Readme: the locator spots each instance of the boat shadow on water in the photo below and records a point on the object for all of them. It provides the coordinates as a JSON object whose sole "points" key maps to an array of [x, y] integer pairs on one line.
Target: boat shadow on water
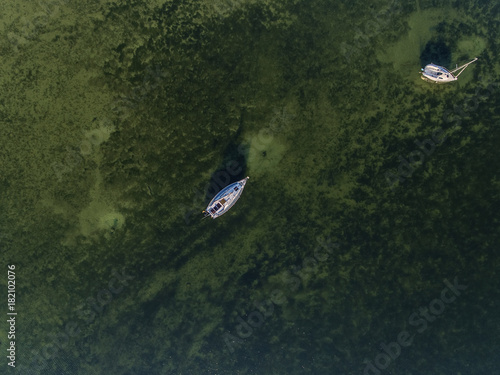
{"points": [[436, 52]]}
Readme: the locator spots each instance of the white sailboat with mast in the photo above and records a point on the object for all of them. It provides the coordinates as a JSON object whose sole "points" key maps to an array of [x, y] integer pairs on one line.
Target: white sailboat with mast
{"points": [[225, 199], [438, 74]]}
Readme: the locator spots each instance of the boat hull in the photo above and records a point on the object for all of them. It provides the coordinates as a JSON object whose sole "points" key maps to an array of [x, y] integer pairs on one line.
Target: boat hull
{"points": [[225, 199]]}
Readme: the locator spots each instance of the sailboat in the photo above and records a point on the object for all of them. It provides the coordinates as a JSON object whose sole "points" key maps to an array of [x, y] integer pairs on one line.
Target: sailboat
{"points": [[225, 199], [438, 74]]}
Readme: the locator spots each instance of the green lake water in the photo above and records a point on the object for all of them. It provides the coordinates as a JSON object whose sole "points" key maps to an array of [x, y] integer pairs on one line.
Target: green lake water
{"points": [[366, 240]]}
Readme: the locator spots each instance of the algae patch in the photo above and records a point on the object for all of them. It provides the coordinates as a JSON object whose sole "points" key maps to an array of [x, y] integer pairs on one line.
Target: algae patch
{"points": [[95, 137], [472, 46], [100, 216], [111, 221], [265, 152]]}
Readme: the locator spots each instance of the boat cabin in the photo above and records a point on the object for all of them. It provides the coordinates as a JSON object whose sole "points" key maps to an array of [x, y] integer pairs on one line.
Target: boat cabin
{"points": [[218, 206], [215, 208]]}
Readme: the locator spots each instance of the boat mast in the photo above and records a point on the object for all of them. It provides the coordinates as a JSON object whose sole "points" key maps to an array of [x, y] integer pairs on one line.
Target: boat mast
{"points": [[462, 68]]}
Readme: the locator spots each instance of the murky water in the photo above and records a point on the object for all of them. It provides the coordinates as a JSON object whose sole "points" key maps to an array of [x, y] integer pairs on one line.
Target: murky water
{"points": [[365, 240]]}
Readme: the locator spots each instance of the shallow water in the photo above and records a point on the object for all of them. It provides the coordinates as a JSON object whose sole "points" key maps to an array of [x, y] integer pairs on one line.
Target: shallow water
{"points": [[373, 195]]}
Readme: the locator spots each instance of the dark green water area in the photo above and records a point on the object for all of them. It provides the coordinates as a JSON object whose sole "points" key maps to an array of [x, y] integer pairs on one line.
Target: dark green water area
{"points": [[366, 240]]}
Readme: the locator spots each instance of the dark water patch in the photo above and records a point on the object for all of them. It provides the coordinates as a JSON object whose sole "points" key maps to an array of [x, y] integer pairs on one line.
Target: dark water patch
{"points": [[436, 52]]}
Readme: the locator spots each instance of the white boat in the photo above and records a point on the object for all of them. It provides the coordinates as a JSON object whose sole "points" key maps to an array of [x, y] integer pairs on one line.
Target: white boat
{"points": [[438, 74], [225, 199]]}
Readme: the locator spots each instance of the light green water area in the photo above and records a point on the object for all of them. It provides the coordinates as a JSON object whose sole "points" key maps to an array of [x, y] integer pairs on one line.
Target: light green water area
{"points": [[366, 239]]}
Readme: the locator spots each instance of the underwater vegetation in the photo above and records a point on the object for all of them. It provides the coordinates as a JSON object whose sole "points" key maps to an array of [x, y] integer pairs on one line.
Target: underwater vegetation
{"points": [[119, 120]]}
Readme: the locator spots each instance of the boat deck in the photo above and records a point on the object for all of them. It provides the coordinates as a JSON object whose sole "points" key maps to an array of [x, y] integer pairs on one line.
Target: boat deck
{"points": [[225, 199]]}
